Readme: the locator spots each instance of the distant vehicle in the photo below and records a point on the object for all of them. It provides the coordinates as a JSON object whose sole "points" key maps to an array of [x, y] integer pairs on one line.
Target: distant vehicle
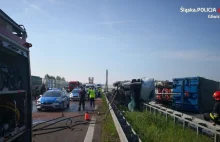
{"points": [[84, 85], [98, 86], [53, 99], [55, 89], [73, 84], [74, 95], [66, 88]]}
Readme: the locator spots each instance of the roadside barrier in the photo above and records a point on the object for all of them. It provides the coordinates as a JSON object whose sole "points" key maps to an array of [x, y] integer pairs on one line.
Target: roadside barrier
{"points": [[124, 129], [201, 126]]}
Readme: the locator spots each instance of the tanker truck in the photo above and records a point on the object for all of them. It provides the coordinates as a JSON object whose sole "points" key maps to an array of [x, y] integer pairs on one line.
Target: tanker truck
{"points": [[133, 93]]}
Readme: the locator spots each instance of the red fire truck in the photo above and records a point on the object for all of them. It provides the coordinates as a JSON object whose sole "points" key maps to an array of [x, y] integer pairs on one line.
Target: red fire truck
{"points": [[15, 82], [73, 84]]}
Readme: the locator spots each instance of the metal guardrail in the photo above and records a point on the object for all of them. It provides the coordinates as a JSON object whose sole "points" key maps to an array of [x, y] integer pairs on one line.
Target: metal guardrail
{"points": [[187, 120], [122, 125], [121, 133], [128, 124]]}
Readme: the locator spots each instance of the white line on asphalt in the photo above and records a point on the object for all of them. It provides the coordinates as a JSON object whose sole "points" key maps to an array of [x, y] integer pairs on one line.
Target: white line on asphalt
{"points": [[90, 131]]}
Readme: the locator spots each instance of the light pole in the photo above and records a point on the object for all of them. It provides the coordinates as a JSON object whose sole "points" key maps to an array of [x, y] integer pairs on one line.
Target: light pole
{"points": [[106, 84]]}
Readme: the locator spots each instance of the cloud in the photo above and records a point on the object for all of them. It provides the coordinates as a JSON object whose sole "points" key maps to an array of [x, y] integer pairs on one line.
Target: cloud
{"points": [[37, 8], [30, 6], [111, 22], [190, 55]]}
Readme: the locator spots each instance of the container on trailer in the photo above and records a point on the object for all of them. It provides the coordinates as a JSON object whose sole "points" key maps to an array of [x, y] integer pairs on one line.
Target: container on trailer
{"points": [[194, 94]]}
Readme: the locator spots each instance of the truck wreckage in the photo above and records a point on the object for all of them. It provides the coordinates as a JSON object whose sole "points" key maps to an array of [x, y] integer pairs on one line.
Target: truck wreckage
{"points": [[133, 93]]}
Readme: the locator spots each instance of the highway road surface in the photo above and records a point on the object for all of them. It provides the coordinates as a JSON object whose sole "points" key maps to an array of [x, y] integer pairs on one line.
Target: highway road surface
{"points": [[78, 134]]}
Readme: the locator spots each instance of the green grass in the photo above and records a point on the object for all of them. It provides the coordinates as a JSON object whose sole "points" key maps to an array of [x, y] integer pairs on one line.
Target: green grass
{"points": [[154, 128], [109, 132]]}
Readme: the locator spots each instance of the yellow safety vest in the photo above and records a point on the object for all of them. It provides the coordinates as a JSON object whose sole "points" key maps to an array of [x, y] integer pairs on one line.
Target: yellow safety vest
{"points": [[100, 90], [92, 94]]}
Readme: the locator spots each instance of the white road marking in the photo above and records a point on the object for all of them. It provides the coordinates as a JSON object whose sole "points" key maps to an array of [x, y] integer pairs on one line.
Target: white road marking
{"points": [[90, 131], [36, 122]]}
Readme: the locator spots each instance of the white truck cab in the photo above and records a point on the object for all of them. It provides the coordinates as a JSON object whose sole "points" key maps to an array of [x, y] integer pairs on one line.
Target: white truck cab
{"points": [[88, 86]]}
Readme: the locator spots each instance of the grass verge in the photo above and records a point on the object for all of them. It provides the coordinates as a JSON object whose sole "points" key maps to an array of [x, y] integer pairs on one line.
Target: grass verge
{"points": [[154, 128], [109, 132]]}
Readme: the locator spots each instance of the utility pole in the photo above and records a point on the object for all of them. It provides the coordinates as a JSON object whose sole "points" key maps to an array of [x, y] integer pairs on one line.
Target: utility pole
{"points": [[106, 84]]}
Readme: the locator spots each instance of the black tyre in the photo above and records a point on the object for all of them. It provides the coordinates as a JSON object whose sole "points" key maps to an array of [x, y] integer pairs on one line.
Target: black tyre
{"points": [[68, 105], [39, 109]]}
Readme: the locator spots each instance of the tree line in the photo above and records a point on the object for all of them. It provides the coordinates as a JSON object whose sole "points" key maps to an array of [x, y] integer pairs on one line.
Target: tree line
{"points": [[47, 76]]}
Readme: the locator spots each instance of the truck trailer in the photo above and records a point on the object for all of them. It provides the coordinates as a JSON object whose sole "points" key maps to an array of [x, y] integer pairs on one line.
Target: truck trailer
{"points": [[15, 82], [194, 94]]}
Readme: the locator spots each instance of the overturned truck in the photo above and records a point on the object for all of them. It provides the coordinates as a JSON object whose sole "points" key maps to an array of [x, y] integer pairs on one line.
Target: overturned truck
{"points": [[133, 93]]}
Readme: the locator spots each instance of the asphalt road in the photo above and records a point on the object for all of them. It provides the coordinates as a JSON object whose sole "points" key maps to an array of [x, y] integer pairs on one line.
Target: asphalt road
{"points": [[77, 134]]}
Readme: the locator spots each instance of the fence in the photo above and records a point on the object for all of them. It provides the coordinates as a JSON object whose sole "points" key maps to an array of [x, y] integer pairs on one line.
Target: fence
{"points": [[187, 121]]}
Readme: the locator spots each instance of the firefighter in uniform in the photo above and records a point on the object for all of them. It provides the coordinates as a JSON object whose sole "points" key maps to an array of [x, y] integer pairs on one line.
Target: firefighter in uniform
{"points": [[92, 97], [215, 114]]}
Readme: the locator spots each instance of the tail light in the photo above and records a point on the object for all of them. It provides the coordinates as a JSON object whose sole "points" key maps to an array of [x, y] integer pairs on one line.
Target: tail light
{"points": [[187, 94]]}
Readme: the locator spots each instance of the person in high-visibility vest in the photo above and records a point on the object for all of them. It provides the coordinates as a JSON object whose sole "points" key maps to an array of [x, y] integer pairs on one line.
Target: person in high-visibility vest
{"points": [[215, 114], [99, 92], [88, 92], [92, 97]]}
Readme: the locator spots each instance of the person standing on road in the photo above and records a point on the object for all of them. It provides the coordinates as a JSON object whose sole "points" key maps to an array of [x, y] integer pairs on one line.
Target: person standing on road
{"points": [[99, 92], [92, 97], [37, 92], [89, 93], [42, 89], [82, 95]]}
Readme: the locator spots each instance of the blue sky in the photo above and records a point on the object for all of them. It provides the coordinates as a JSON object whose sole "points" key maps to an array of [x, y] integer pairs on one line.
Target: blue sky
{"points": [[142, 38]]}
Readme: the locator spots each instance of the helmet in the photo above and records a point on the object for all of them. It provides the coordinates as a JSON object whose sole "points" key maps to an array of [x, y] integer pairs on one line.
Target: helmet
{"points": [[216, 95]]}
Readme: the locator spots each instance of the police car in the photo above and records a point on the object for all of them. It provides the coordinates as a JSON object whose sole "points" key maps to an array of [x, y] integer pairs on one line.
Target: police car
{"points": [[53, 99]]}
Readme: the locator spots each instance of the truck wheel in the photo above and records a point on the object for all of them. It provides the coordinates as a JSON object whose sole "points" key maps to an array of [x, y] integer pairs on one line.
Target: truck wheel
{"points": [[39, 109], [68, 105]]}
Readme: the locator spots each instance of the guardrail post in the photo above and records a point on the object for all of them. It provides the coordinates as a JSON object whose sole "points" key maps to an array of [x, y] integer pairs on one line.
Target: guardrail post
{"points": [[197, 130], [215, 138], [174, 119], [166, 116], [183, 124]]}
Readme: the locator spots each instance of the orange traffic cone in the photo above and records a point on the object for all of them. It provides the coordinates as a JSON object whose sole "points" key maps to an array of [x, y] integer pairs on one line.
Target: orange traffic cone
{"points": [[87, 118]]}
